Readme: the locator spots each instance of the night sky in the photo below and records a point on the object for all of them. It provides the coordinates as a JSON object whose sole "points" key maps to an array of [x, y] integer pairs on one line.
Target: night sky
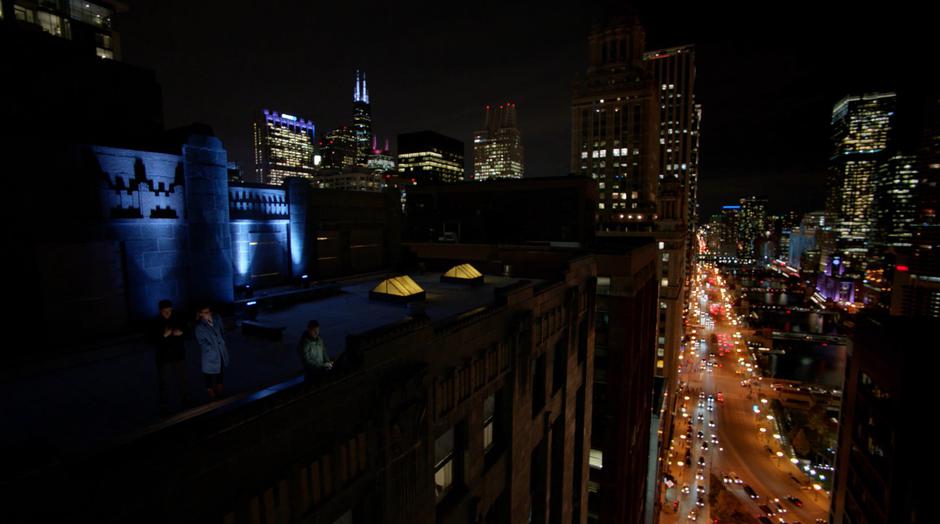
{"points": [[767, 75]]}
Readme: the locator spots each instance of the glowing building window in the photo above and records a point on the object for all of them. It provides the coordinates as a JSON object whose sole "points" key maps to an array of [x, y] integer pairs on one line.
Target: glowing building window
{"points": [[489, 416], [444, 463]]}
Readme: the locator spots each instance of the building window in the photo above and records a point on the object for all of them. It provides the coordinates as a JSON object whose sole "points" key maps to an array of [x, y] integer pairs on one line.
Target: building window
{"points": [[489, 420], [444, 463], [52, 24], [665, 282], [596, 459]]}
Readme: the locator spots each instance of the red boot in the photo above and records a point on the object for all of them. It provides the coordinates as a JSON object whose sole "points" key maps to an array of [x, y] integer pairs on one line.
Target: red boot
{"points": [[211, 393], [219, 390]]}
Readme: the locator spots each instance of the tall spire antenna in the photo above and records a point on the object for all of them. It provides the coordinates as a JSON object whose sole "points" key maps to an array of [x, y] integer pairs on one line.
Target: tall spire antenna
{"points": [[356, 95], [365, 90]]}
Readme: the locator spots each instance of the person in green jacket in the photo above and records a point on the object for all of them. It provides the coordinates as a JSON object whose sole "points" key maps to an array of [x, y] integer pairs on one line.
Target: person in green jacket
{"points": [[312, 351]]}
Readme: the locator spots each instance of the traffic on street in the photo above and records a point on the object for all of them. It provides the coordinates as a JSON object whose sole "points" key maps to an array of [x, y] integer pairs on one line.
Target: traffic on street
{"points": [[727, 457]]}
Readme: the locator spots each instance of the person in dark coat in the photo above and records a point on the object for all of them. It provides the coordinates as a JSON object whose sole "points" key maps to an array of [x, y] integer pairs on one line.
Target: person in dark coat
{"points": [[211, 338], [313, 355], [170, 355]]}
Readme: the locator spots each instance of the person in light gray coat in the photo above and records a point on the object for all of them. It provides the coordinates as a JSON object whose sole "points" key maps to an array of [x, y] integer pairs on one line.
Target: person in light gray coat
{"points": [[211, 338]]}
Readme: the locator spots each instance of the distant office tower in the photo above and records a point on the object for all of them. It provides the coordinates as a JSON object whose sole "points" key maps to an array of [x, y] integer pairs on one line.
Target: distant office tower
{"points": [[880, 466], [696, 132], [284, 147], [893, 206], [803, 238], [752, 227], [362, 120], [429, 157], [928, 186], [497, 149], [915, 279], [338, 150], [915, 289], [614, 127], [380, 160], [862, 128], [350, 180], [728, 232], [679, 115], [86, 23]]}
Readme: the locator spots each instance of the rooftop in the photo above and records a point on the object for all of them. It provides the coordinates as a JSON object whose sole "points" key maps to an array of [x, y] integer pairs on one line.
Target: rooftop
{"points": [[110, 398], [353, 312]]}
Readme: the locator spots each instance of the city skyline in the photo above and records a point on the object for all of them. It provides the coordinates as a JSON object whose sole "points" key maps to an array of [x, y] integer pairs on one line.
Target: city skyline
{"points": [[796, 79], [542, 319]]}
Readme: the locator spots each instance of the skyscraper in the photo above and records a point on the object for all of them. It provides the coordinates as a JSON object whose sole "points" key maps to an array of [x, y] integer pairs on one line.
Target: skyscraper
{"points": [[862, 128], [614, 126], [86, 23], [283, 147], [362, 120], [752, 226], [429, 157], [893, 205], [880, 464], [381, 160], [728, 231], [338, 149], [497, 149], [674, 73]]}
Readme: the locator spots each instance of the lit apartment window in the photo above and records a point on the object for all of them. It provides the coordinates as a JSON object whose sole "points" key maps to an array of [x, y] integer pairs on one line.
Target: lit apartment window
{"points": [[489, 417], [596, 459], [444, 463], [665, 282]]}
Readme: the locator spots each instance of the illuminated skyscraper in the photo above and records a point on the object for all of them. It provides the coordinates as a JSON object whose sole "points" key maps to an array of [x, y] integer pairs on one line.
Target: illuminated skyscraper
{"points": [[862, 127], [497, 149], [751, 227], [283, 147], [338, 150], [87, 23], [893, 207], [362, 120], [429, 157], [615, 127], [674, 72], [380, 160]]}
